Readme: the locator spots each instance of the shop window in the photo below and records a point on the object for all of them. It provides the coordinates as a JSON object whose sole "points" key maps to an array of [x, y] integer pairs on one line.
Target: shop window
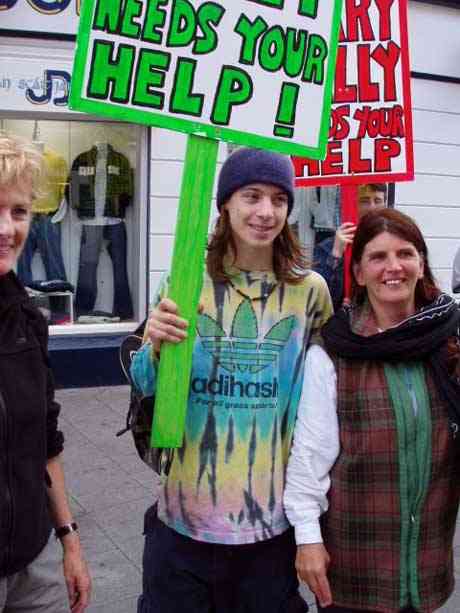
{"points": [[81, 258]]}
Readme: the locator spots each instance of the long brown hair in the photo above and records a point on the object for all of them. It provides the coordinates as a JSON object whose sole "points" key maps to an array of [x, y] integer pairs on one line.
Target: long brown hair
{"points": [[289, 261], [390, 220]]}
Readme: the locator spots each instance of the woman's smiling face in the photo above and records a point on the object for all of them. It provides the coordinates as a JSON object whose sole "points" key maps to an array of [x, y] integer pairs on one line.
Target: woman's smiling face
{"points": [[15, 217], [389, 269]]}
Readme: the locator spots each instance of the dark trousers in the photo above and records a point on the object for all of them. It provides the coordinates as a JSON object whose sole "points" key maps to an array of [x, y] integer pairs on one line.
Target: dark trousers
{"points": [[44, 237], [181, 575], [90, 250]]}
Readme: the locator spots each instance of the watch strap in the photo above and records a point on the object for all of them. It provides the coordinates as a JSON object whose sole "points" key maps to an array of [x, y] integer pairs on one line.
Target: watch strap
{"points": [[66, 529]]}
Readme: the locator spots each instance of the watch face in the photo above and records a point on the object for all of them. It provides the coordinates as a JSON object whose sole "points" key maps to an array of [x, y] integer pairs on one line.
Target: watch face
{"points": [[49, 7]]}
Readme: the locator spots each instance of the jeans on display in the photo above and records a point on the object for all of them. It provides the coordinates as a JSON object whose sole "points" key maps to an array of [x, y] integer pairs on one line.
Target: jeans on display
{"points": [[90, 249], [45, 237]]}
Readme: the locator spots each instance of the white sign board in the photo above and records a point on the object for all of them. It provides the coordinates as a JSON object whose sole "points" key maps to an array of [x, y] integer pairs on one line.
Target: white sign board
{"points": [[253, 72]]}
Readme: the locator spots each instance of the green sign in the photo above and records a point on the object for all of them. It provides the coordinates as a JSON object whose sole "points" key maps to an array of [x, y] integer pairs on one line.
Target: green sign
{"points": [[251, 72]]}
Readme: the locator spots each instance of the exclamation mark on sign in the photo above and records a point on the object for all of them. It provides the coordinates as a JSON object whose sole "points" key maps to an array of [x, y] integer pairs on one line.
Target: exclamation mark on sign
{"points": [[285, 115]]}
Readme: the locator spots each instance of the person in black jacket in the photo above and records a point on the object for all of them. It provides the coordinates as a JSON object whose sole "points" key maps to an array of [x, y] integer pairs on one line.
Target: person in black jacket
{"points": [[32, 491]]}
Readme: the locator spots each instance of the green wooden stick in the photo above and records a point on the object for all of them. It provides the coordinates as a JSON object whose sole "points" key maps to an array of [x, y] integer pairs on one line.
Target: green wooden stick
{"points": [[185, 288]]}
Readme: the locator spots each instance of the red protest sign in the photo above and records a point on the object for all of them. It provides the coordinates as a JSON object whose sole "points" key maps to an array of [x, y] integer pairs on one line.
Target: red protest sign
{"points": [[370, 135]]}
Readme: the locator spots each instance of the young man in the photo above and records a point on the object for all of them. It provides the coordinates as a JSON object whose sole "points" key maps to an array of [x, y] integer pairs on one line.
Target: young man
{"points": [[34, 570], [328, 254], [221, 542]]}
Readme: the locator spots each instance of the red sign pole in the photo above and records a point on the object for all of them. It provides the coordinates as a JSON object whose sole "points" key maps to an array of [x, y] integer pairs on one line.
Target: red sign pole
{"points": [[349, 200]]}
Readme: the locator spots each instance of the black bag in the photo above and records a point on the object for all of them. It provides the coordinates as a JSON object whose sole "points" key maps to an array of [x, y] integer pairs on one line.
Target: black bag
{"points": [[140, 412]]}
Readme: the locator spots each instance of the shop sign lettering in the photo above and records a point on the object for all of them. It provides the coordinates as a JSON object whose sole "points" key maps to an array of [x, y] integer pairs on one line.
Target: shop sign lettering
{"points": [[370, 134], [255, 72], [53, 82], [55, 17], [7, 4], [45, 7], [50, 88]]}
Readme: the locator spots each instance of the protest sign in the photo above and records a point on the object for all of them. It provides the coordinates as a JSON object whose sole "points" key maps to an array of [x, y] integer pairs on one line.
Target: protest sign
{"points": [[251, 72], [370, 135]]}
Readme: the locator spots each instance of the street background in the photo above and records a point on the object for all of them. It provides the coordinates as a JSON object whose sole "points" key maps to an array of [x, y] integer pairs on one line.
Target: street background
{"points": [[110, 488]]}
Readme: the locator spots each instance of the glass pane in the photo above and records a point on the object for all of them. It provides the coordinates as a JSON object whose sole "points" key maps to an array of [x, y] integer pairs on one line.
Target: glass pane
{"points": [[80, 256]]}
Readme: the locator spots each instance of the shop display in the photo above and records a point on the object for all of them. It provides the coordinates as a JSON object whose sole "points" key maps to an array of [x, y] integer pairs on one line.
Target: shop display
{"points": [[100, 189], [80, 262], [45, 231]]}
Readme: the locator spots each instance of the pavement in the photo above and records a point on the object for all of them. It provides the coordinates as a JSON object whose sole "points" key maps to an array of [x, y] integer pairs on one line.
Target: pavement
{"points": [[110, 488]]}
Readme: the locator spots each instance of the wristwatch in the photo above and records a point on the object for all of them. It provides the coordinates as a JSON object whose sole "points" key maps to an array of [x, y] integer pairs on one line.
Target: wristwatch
{"points": [[66, 529]]}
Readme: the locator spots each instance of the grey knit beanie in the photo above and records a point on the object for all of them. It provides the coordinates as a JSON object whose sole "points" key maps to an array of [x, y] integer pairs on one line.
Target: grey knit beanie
{"points": [[245, 166]]}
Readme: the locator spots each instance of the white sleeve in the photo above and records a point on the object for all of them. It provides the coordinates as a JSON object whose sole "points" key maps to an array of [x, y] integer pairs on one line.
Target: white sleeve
{"points": [[315, 448]]}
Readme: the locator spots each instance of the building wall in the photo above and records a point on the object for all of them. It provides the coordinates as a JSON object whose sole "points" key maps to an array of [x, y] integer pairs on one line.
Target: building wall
{"points": [[167, 157]]}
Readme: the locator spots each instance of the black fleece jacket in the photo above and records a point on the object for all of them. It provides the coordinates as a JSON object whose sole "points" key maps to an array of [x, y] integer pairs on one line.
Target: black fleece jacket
{"points": [[28, 428]]}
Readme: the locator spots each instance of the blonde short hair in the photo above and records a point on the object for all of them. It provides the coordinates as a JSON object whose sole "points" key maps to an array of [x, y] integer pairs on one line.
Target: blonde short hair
{"points": [[19, 161]]}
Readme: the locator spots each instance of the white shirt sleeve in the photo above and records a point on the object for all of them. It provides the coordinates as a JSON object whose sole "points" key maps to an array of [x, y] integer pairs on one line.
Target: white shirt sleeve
{"points": [[315, 448]]}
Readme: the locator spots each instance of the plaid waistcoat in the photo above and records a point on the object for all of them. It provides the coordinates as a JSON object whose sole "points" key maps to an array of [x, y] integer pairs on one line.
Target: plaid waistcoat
{"points": [[364, 525]]}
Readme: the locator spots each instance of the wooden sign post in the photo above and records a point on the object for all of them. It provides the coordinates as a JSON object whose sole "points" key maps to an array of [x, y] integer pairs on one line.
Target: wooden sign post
{"points": [[250, 72], [185, 288]]}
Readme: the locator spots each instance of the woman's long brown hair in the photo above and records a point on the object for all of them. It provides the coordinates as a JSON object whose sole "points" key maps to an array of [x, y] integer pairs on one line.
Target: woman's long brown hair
{"points": [[290, 264]]}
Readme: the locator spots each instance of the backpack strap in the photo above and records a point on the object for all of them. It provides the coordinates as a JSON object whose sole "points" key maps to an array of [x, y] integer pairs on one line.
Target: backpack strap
{"points": [[140, 412]]}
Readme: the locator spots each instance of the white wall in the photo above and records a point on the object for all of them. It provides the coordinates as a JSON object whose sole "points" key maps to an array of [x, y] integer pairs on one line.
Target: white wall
{"points": [[434, 39], [167, 157]]}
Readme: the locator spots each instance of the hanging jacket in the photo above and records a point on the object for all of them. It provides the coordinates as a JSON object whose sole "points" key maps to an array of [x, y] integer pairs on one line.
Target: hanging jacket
{"points": [[82, 180], [28, 428]]}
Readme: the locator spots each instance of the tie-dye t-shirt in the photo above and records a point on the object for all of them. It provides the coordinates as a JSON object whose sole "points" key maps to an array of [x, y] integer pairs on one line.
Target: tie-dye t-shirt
{"points": [[226, 482]]}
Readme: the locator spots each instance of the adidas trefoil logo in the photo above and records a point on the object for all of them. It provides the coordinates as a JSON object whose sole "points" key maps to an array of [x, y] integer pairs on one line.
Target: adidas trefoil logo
{"points": [[242, 350]]}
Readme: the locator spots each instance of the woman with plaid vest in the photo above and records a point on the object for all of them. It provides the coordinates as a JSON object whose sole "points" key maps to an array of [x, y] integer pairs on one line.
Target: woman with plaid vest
{"points": [[373, 483]]}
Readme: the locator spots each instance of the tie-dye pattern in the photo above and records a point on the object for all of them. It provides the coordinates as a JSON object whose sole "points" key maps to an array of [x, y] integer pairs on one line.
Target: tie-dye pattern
{"points": [[226, 483]]}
